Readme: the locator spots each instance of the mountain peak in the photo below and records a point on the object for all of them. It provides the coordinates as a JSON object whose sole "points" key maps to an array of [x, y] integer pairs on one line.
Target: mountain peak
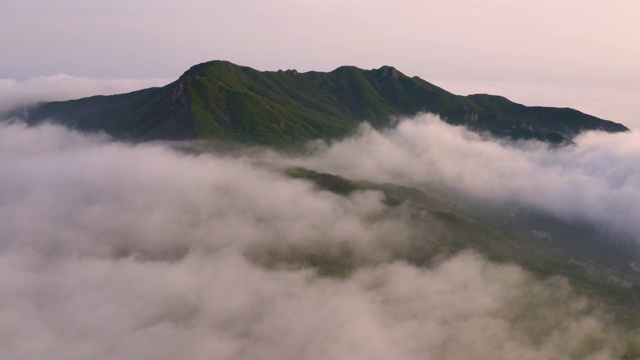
{"points": [[388, 71], [288, 72], [219, 99], [199, 69]]}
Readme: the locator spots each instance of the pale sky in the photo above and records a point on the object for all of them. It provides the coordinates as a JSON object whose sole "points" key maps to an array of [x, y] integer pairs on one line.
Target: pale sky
{"points": [[538, 52]]}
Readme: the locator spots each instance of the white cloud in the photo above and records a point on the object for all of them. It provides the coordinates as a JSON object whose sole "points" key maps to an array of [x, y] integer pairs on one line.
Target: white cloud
{"points": [[139, 252], [597, 180]]}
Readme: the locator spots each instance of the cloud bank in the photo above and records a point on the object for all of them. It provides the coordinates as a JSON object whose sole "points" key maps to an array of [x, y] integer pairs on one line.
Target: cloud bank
{"points": [[597, 180], [140, 252]]}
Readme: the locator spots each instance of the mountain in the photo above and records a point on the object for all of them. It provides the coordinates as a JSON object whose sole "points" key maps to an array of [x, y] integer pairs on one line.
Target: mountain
{"points": [[283, 109]]}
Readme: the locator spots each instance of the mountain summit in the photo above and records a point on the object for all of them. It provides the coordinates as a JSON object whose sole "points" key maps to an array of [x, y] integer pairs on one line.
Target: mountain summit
{"points": [[222, 100]]}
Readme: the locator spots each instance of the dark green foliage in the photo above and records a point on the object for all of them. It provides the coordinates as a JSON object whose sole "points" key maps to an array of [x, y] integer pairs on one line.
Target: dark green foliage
{"points": [[333, 183], [155, 113], [568, 122], [284, 109]]}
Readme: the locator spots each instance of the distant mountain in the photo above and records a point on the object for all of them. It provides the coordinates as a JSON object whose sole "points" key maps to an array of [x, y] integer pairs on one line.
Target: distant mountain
{"points": [[283, 109]]}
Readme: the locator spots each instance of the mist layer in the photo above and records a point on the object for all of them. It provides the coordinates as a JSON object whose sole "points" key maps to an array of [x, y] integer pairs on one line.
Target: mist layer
{"points": [[142, 252]]}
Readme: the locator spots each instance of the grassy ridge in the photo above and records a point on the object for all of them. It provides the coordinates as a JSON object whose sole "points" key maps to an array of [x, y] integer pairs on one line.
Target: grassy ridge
{"points": [[546, 119], [284, 109]]}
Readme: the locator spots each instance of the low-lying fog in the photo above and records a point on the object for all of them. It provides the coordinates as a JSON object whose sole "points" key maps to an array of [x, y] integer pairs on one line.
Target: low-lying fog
{"points": [[597, 180], [116, 251]]}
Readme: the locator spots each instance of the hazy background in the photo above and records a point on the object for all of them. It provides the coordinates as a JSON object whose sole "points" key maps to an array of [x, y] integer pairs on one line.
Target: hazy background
{"points": [[582, 54]]}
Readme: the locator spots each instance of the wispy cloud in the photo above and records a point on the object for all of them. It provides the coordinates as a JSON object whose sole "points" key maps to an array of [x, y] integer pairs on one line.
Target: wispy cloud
{"points": [[597, 180]]}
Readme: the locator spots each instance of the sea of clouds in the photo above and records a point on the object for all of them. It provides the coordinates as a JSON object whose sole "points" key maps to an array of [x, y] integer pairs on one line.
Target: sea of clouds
{"points": [[120, 251], [597, 180]]}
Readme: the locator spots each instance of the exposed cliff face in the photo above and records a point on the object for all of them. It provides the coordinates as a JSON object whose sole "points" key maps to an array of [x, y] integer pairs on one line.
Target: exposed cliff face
{"points": [[389, 71], [178, 95], [285, 108]]}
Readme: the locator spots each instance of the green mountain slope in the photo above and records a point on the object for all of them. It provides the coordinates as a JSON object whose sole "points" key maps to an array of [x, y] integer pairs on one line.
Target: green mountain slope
{"points": [[566, 121], [155, 113], [285, 108]]}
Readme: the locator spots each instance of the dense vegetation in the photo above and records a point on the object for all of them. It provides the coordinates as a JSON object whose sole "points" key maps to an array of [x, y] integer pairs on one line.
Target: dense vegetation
{"points": [[285, 108]]}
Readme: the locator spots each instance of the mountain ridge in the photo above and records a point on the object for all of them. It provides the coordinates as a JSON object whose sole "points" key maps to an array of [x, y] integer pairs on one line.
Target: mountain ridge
{"points": [[285, 108]]}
